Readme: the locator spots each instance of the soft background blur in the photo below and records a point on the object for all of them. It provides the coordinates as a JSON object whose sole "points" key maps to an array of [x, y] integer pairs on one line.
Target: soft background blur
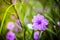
{"points": [[25, 10]]}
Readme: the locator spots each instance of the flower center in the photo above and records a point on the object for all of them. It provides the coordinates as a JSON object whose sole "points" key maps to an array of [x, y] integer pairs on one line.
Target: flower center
{"points": [[39, 22], [10, 36]]}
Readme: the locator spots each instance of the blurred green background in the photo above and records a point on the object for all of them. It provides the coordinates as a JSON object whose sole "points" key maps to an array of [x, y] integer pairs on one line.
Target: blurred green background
{"points": [[24, 10]]}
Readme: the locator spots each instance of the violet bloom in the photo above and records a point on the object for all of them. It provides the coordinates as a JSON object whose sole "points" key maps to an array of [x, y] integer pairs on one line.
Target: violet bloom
{"points": [[14, 1], [58, 23], [39, 22], [16, 30], [39, 9], [10, 26], [12, 17], [17, 22], [10, 36], [36, 35]]}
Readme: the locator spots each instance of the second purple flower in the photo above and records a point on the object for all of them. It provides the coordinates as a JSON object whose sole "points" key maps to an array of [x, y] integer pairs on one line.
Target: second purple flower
{"points": [[39, 22]]}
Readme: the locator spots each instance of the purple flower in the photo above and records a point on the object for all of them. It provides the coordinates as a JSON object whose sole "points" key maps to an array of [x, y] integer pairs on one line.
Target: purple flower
{"points": [[36, 35], [16, 30], [10, 26], [10, 36], [39, 9], [14, 1], [17, 22], [39, 22], [12, 17], [58, 23], [26, 20]]}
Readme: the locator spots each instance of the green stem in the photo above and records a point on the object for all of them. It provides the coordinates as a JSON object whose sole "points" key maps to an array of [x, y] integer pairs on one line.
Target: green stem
{"points": [[7, 2], [17, 15], [5, 14], [50, 31], [40, 34]]}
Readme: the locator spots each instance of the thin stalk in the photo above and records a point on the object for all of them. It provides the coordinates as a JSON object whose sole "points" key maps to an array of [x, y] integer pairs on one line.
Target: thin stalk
{"points": [[17, 16], [51, 31], [40, 34], [5, 14]]}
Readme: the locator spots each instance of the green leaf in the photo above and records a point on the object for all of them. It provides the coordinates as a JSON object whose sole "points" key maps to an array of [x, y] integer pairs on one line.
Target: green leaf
{"points": [[47, 16], [5, 14], [50, 31]]}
